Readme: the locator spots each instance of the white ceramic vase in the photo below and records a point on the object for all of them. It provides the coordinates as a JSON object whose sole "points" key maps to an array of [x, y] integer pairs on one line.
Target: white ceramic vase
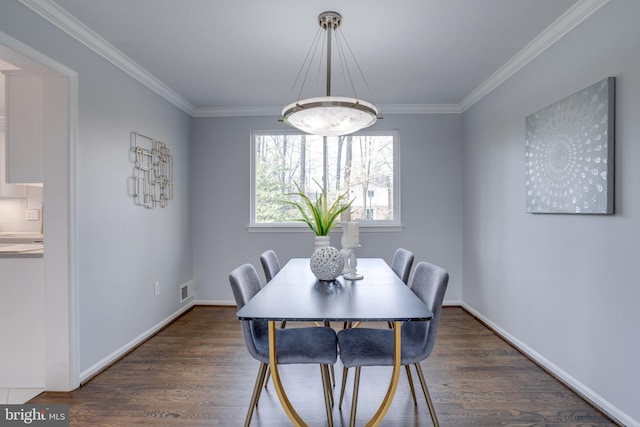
{"points": [[321, 242]]}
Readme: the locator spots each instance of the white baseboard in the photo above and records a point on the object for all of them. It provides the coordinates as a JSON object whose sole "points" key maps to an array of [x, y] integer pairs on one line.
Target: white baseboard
{"points": [[214, 302], [581, 389], [452, 303], [570, 381], [107, 361]]}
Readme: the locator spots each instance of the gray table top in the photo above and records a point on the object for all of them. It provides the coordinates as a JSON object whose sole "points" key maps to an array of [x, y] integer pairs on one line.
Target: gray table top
{"points": [[295, 294]]}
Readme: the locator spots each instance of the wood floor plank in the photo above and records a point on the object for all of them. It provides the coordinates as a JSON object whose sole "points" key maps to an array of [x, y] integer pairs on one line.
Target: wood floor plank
{"points": [[197, 372]]}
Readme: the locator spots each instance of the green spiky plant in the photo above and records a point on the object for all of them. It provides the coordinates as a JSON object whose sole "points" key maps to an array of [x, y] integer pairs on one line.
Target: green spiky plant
{"points": [[320, 216]]}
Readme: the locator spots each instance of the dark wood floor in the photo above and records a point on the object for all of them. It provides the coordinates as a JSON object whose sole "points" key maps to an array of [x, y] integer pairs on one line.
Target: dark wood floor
{"points": [[197, 372]]}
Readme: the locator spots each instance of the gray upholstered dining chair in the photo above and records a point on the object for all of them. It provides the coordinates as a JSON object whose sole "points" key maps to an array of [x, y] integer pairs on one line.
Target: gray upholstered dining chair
{"points": [[401, 263], [309, 345], [374, 347], [271, 267], [270, 264]]}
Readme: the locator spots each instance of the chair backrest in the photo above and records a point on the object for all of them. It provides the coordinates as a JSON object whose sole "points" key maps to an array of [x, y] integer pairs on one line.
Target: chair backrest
{"points": [[245, 284], [429, 282], [270, 264], [401, 264]]}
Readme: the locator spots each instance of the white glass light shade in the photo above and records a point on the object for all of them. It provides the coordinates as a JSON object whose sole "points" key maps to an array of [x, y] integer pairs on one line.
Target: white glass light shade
{"points": [[330, 115]]}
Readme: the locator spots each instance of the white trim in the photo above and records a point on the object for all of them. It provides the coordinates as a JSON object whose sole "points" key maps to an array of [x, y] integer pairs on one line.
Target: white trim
{"points": [[98, 367], [303, 228], [453, 303], [29, 52], [578, 387], [72, 26], [420, 109], [237, 111], [74, 295], [294, 226], [76, 29], [215, 302], [72, 142], [574, 384], [565, 23], [277, 110]]}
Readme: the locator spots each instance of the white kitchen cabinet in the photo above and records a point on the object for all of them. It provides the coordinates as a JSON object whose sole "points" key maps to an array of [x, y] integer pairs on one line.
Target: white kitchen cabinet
{"points": [[24, 127], [12, 191], [22, 323]]}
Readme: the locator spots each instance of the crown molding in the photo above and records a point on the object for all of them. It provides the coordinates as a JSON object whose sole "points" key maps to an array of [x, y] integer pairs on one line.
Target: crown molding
{"points": [[72, 26], [237, 111], [277, 110], [565, 23], [76, 29], [420, 109]]}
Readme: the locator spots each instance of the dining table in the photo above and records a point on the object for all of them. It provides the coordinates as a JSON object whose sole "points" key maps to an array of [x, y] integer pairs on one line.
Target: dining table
{"points": [[295, 294]]}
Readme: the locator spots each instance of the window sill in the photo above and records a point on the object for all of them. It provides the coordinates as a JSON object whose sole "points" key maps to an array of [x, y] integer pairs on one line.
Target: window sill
{"points": [[302, 228]]}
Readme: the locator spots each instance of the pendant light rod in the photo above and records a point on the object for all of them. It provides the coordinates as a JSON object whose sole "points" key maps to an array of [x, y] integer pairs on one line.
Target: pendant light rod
{"points": [[329, 61], [329, 21]]}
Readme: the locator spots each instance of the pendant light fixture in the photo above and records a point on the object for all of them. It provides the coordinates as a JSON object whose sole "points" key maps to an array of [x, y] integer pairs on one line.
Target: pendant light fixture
{"points": [[330, 115]]}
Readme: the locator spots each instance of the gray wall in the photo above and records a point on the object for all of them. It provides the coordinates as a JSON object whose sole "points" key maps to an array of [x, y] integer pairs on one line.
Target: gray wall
{"points": [[122, 248], [562, 286], [565, 286], [431, 200]]}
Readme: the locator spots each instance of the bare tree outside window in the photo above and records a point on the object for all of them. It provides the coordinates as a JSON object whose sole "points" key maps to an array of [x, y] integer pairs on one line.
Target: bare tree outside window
{"points": [[363, 165]]}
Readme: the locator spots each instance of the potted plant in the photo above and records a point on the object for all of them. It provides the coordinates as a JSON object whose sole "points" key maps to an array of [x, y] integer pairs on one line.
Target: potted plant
{"points": [[320, 215], [326, 262]]}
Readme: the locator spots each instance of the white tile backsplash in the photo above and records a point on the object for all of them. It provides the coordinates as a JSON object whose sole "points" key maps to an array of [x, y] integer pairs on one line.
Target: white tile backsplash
{"points": [[10, 210], [13, 211]]}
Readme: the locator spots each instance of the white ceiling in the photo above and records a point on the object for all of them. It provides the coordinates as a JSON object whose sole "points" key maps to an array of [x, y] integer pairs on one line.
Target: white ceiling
{"points": [[241, 54]]}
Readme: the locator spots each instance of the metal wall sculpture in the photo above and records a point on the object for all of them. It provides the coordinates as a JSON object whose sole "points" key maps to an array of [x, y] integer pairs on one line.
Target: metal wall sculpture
{"points": [[569, 153], [152, 173]]}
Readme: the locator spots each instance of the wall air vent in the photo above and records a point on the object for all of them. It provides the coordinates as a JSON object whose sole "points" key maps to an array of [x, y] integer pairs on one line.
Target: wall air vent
{"points": [[185, 291]]}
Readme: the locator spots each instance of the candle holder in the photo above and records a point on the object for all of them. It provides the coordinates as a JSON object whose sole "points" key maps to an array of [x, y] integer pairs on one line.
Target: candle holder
{"points": [[349, 241], [344, 251], [350, 271]]}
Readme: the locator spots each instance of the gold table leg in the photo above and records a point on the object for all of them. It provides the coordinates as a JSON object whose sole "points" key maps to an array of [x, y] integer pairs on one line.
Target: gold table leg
{"points": [[395, 376], [277, 383], [288, 407]]}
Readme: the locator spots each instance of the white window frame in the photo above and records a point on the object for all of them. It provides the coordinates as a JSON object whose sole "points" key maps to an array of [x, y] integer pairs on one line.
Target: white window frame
{"points": [[365, 225]]}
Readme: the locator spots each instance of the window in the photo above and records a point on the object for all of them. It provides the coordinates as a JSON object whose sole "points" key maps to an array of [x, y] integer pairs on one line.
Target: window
{"points": [[364, 165]]}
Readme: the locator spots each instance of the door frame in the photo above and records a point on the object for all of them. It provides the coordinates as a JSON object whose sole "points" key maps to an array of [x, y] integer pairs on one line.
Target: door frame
{"points": [[62, 371]]}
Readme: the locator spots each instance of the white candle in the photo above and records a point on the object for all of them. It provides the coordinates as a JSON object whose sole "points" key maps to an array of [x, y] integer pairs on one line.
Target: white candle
{"points": [[345, 216], [353, 235]]}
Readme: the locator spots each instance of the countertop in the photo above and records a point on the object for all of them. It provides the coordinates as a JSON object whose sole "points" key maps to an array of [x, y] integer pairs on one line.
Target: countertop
{"points": [[21, 245], [20, 237]]}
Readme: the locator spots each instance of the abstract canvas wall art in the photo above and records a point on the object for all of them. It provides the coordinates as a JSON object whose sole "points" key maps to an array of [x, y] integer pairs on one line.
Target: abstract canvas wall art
{"points": [[569, 153]]}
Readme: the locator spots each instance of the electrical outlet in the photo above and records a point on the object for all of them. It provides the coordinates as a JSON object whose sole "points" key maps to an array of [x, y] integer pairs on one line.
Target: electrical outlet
{"points": [[32, 214], [156, 288]]}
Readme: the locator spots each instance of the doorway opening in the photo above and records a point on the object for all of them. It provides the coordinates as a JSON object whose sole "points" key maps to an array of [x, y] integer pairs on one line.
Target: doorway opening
{"points": [[59, 291]]}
